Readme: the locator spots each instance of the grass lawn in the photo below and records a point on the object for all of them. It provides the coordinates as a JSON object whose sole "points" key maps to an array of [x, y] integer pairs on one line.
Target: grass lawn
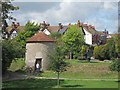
{"points": [[49, 83], [85, 70], [77, 70]]}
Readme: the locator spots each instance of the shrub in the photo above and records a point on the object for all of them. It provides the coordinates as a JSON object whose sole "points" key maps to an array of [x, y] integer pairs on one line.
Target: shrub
{"points": [[115, 66]]}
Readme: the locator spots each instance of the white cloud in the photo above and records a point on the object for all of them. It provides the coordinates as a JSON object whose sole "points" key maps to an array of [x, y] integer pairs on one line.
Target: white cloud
{"points": [[70, 12]]}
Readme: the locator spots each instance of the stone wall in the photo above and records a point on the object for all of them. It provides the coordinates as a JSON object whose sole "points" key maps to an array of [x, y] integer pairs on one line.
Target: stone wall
{"points": [[38, 50]]}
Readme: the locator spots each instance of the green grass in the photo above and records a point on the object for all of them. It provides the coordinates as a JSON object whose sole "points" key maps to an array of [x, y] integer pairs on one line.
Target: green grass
{"points": [[17, 64], [49, 83], [77, 70], [84, 70]]}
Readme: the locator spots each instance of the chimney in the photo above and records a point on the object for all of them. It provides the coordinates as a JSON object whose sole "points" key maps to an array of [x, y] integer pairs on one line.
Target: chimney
{"points": [[43, 24], [60, 26], [107, 32], [18, 24], [89, 26], [78, 24], [85, 24], [13, 25], [93, 27], [69, 24], [105, 29]]}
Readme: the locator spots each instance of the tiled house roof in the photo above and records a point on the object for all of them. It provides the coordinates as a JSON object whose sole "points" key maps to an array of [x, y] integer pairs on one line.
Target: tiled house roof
{"points": [[53, 28], [18, 29], [39, 37]]}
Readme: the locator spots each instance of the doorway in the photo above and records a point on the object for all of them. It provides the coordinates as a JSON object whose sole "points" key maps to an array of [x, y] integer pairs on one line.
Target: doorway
{"points": [[39, 61]]}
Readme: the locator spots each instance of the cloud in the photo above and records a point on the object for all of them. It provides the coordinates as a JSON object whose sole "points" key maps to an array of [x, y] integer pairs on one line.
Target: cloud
{"points": [[99, 14]]}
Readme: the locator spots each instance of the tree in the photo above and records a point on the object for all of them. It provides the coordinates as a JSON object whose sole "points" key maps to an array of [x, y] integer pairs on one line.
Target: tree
{"points": [[111, 48], [29, 30], [7, 9], [57, 62], [73, 40], [101, 52], [115, 66], [83, 51], [117, 44], [55, 35], [10, 51]]}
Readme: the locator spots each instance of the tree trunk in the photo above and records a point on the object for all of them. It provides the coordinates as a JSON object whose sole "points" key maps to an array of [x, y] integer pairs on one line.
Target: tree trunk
{"points": [[58, 80]]}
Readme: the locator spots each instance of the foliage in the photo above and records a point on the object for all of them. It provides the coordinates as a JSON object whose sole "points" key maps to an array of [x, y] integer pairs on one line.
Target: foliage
{"points": [[55, 35], [115, 66], [73, 40], [7, 9], [10, 51], [84, 51], [17, 64], [57, 62], [117, 44], [101, 52], [29, 30], [111, 48]]}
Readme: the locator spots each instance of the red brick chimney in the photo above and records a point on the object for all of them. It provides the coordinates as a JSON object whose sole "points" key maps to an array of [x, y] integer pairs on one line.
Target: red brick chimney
{"points": [[107, 32], [85, 24], [78, 24], [43, 24], [69, 24], [93, 27], [18, 24], [105, 29], [60, 26], [13, 25], [89, 26]]}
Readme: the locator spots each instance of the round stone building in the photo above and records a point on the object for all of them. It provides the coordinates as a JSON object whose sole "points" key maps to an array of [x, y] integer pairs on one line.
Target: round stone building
{"points": [[37, 49]]}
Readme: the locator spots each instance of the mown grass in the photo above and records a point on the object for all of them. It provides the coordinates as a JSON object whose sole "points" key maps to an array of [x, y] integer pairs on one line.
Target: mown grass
{"points": [[85, 70], [17, 64], [77, 70], [49, 83]]}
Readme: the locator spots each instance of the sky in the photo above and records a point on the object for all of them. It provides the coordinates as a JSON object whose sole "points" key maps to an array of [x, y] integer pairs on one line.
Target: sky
{"points": [[99, 14]]}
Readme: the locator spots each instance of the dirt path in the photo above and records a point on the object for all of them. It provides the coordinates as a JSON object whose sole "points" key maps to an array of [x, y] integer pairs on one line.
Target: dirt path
{"points": [[18, 76]]}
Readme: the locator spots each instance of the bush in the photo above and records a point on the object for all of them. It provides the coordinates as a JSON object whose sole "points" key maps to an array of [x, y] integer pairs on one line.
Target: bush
{"points": [[115, 66], [101, 52], [10, 51]]}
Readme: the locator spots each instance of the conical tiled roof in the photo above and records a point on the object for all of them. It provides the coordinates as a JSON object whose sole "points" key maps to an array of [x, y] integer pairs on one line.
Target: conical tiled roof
{"points": [[39, 37]]}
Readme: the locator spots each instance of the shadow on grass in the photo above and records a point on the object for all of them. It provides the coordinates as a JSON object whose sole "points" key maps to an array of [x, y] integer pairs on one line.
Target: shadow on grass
{"points": [[72, 86], [31, 83]]}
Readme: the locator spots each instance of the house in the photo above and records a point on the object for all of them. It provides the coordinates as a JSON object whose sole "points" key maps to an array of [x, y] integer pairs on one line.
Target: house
{"points": [[47, 29], [91, 35], [37, 49], [13, 30]]}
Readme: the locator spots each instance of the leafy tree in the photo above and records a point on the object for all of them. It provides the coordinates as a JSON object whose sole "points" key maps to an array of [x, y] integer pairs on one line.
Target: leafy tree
{"points": [[73, 40], [101, 52], [115, 66], [10, 51], [29, 30], [57, 62], [111, 48], [7, 9], [117, 44], [84, 51], [55, 35]]}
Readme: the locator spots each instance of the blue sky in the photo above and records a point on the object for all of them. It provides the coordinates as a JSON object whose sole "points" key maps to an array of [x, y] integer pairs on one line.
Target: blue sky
{"points": [[99, 14]]}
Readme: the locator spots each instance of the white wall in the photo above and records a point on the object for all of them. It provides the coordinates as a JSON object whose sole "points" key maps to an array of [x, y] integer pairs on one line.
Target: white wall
{"points": [[46, 32], [88, 37]]}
